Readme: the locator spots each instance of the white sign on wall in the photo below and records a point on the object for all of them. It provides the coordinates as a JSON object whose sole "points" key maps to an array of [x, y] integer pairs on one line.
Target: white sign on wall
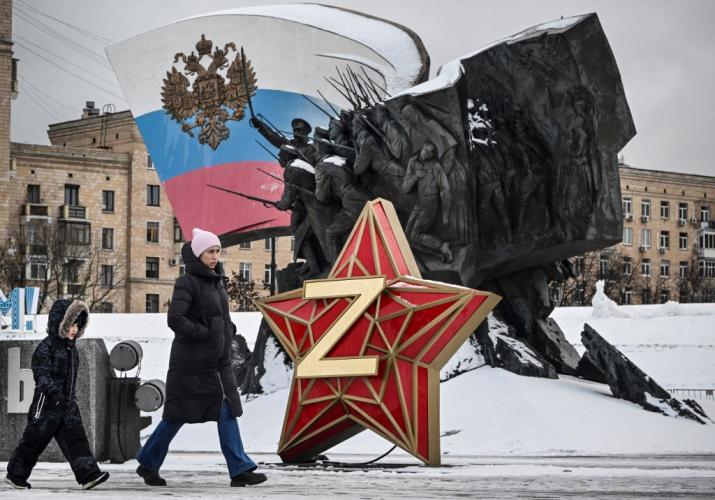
{"points": [[20, 383]]}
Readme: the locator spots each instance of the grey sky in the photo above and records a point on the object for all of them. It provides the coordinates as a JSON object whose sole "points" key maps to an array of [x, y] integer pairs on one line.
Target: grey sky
{"points": [[665, 51]]}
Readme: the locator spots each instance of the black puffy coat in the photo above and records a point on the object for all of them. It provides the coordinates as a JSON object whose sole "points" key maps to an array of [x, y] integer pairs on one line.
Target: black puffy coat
{"points": [[55, 361], [200, 376]]}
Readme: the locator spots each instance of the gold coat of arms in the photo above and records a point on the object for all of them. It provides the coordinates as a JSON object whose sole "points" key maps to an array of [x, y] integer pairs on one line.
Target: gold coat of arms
{"points": [[209, 97]]}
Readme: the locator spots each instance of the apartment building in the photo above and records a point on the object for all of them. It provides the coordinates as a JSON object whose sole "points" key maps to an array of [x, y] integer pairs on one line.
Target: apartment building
{"points": [[98, 188], [668, 247]]}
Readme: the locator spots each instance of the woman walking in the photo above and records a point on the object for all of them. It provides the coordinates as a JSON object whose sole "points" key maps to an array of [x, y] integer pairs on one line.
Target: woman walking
{"points": [[200, 384]]}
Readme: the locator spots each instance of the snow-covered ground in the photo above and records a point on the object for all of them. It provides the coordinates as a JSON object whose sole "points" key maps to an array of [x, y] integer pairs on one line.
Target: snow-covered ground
{"points": [[203, 475], [488, 411]]}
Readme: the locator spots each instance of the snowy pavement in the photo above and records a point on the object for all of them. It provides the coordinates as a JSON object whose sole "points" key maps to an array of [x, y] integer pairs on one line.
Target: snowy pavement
{"points": [[202, 475]]}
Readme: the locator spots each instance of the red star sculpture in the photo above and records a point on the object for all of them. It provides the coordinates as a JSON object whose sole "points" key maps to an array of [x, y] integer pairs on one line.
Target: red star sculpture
{"points": [[368, 343]]}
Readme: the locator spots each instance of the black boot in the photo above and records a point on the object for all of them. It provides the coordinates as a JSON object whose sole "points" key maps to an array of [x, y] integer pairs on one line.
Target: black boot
{"points": [[248, 478], [151, 477], [95, 479], [18, 484]]}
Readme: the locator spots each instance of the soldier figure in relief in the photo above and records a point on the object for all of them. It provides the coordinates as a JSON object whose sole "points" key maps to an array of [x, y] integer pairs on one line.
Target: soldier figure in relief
{"points": [[536, 166], [299, 179], [336, 183], [489, 179], [300, 141], [427, 173], [386, 178]]}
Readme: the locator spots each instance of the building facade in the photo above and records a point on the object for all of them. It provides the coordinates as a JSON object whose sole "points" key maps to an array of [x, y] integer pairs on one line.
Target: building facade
{"points": [[96, 189], [668, 247]]}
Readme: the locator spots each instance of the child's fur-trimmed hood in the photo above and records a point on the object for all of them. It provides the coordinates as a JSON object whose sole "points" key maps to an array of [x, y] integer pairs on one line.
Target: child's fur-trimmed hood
{"points": [[63, 314]]}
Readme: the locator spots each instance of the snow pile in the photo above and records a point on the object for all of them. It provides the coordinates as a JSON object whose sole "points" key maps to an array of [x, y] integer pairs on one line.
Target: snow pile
{"points": [[499, 332], [467, 358], [278, 375], [603, 307], [491, 411]]}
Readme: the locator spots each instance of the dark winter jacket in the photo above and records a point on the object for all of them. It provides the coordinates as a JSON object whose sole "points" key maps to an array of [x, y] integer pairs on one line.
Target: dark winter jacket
{"points": [[200, 377], [55, 361]]}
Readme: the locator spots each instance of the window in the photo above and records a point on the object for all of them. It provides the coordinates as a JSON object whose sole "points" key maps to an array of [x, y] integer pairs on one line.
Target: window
{"points": [[645, 296], [267, 276], [149, 162], [77, 233], [152, 232], [108, 201], [628, 296], [665, 239], [603, 266], [665, 210], [244, 271], [579, 295], [706, 268], [182, 266], [683, 269], [645, 268], [645, 208], [683, 241], [579, 263], [292, 243], [70, 271], [664, 296], [178, 233], [627, 266], [628, 236], [268, 244], [665, 268], [152, 195], [33, 234], [37, 268], [71, 195], [556, 293], [33, 193], [704, 213], [645, 239], [152, 302], [707, 240], [682, 211], [627, 206], [107, 238], [152, 267], [107, 274], [246, 245]]}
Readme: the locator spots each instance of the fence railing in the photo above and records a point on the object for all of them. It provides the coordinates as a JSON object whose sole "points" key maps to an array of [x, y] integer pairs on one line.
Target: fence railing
{"points": [[694, 393]]}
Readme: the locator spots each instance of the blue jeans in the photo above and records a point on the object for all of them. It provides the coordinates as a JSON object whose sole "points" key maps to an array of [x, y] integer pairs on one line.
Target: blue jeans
{"points": [[151, 456]]}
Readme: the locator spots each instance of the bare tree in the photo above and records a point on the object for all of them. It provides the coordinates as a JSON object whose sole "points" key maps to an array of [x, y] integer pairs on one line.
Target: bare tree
{"points": [[242, 293], [61, 266]]}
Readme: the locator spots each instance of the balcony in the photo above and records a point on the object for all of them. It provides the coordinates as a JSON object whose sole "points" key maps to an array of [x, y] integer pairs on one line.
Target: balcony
{"points": [[72, 289], [73, 212], [35, 210], [35, 249], [75, 232]]}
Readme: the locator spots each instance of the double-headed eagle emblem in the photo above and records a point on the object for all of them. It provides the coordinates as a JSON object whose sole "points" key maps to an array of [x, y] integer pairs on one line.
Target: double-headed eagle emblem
{"points": [[211, 99]]}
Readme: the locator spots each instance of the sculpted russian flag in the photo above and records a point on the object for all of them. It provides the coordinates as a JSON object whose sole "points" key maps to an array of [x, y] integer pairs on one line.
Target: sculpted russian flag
{"points": [[291, 49]]}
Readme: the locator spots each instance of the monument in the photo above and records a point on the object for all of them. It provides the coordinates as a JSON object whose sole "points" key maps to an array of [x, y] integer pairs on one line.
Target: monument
{"points": [[499, 169]]}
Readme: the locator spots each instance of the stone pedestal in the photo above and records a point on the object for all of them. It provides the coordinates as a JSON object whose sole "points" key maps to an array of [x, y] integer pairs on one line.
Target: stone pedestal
{"points": [[92, 395]]}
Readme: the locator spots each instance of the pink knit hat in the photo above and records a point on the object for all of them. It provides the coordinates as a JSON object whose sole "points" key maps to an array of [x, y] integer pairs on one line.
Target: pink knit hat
{"points": [[202, 241]]}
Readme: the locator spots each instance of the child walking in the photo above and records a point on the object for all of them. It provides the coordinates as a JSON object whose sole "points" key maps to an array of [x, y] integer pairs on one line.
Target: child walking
{"points": [[54, 411]]}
